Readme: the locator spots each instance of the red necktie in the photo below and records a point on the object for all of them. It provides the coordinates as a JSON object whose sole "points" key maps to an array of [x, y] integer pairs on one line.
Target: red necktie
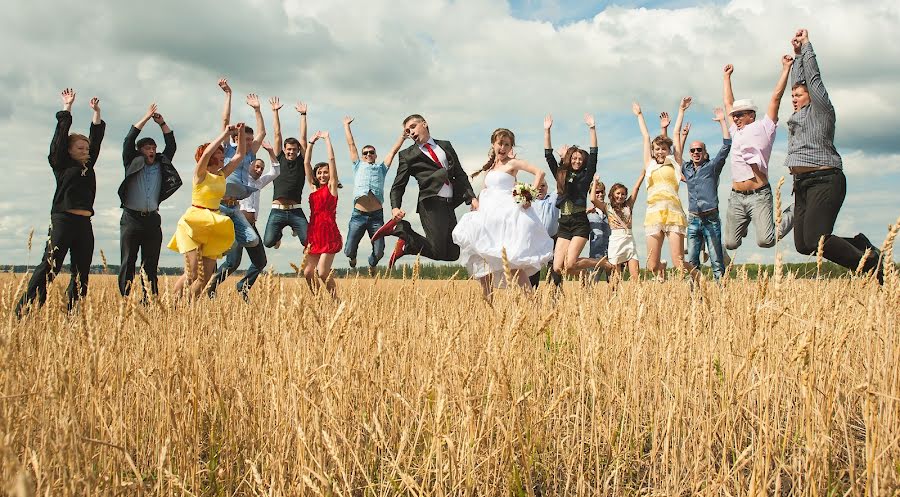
{"points": [[434, 157]]}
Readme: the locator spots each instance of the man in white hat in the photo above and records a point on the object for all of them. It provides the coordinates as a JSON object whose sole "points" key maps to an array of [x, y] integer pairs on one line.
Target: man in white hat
{"points": [[751, 194]]}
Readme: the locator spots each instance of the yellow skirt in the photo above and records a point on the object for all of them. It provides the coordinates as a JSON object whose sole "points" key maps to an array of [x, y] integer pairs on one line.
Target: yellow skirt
{"points": [[211, 232]]}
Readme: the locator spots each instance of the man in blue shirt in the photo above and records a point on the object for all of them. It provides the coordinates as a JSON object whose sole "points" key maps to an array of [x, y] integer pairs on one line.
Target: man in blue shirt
{"points": [[368, 196], [702, 177], [150, 178]]}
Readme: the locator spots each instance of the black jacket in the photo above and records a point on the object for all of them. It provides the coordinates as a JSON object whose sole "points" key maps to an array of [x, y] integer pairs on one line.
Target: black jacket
{"points": [[134, 163], [430, 176]]}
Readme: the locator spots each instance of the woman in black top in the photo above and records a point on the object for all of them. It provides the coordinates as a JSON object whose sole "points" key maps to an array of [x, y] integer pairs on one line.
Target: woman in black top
{"points": [[72, 158], [573, 181]]}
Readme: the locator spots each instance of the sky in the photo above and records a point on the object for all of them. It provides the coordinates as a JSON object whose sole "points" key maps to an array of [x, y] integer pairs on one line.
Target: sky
{"points": [[468, 67]]}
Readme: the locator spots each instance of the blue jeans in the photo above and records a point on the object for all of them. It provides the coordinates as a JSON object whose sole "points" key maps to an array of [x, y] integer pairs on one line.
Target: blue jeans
{"points": [[279, 219], [706, 230], [258, 263], [360, 223], [244, 233]]}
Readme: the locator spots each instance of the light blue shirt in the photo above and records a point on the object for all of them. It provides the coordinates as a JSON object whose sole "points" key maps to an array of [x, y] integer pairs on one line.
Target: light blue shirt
{"points": [[599, 235], [547, 212], [369, 178], [142, 192], [241, 175]]}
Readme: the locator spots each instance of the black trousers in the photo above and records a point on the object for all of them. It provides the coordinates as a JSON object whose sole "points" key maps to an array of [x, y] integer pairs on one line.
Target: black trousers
{"points": [[144, 233], [818, 198], [438, 220], [68, 233]]}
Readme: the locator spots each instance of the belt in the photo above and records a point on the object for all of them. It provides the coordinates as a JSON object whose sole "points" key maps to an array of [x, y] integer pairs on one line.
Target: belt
{"points": [[439, 198], [204, 208], [751, 192], [286, 207], [230, 203], [817, 174], [705, 214], [139, 213]]}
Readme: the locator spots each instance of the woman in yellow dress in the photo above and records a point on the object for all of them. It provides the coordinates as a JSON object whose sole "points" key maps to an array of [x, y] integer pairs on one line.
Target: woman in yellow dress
{"points": [[665, 217], [203, 233]]}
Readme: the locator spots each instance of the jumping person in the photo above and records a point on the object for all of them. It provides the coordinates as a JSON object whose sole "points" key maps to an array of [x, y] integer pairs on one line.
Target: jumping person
{"points": [[203, 233], [622, 249], [443, 186], [149, 179], [368, 196], [751, 146], [819, 182], [323, 238], [72, 158], [287, 189]]}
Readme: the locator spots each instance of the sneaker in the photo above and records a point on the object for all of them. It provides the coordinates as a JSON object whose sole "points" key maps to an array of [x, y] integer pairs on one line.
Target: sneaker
{"points": [[353, 263]]}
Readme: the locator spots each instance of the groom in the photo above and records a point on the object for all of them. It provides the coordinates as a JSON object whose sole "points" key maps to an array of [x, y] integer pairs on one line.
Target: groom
{"points": [[443, 186]]}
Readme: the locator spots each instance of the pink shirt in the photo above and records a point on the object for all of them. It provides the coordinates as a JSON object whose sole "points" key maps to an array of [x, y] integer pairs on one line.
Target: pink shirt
{"points": [[752, 144]]}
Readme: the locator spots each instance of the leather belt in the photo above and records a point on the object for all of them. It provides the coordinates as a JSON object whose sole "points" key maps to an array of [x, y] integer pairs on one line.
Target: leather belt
{"points": [[139, 213], [705, 214], [751, 192], [817, 174]]}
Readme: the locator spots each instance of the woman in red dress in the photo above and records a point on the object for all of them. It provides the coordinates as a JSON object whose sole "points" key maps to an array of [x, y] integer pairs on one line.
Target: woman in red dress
{"points": [[323, 238]]}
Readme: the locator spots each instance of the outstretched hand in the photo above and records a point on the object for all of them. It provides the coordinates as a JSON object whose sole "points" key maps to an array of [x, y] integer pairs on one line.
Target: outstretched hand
{"points": [[151, 110], [802, 36], [636, 108], [729, 69], [686, 102], [158, 118], [686, 129], [348, 120], [664, 120], [300, 107], [68, 96], [267, 146], [95, 104], [253, 101], [562, 151], [223, 84], [548, 121], [276, 104], [589, 120], [718, 114]]}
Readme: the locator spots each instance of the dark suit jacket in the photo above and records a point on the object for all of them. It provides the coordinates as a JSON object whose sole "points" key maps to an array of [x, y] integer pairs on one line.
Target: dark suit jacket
{"points": [[430, 176]]}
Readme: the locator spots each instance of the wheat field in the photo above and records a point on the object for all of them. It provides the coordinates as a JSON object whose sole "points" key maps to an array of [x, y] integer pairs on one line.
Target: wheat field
{"points": [[778, 386]]}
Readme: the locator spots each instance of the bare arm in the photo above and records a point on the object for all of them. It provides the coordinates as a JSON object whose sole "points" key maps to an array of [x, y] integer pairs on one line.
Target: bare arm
{"points": [[239, 154], [683, 136], [200, 168], [253, 101], [332, 165], [275, 102], [95, 108], [679, 145], [307, 161], [302, 109], [226, 111], [394, 149], [636, 189], [728, 93], [636, 109], [600, 204], [592, 129], [786, 62], [664, 122], [351, 144], [521, 165], [168, 136], [548, 123]]}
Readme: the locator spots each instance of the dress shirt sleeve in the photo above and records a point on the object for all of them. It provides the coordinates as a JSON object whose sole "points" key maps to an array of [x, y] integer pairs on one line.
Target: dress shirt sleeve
{"points": [[551, 160], [813, 77], [59, 145], [96, 139], [169, 151], [719, 160], [270, 175]]}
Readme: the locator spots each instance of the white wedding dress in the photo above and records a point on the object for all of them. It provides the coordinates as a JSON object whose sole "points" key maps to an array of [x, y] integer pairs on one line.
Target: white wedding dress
{"points": [[501, 223]]}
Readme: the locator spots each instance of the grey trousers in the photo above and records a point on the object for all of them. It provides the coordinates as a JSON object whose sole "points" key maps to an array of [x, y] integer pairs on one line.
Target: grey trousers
{"points": [[756, 207]]}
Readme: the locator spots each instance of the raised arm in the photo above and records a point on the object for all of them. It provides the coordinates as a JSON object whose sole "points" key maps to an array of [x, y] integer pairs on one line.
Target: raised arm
{"points": [[775, 102], [808, 71], [664, 122], [98, 130], [636, 109], [394, 149], [59, 144], [530, 168], [598, 203], [719, 160], [168, 135], [351, 144], [591, 166], [636, 188], [226, 111], [275, 102], [239, 154], [683, 136], [679, 145], [129, 146], [274, 167], [728, 93], [200, 169], [332, 165], [302, 108], [548, 147], [253, 101], [307, 160]]}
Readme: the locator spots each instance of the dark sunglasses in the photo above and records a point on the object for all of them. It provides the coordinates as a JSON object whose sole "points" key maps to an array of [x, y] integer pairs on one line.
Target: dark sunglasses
{"points": [[738, 115], [368, 152], [693, 150]]}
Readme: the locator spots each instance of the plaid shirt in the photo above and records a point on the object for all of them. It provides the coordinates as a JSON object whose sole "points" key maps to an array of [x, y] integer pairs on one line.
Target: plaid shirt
{"points": [[811, 129]]}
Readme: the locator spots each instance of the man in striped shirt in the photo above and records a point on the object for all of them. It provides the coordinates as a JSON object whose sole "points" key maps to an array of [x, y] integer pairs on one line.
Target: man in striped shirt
{"points": [[819, 182]]}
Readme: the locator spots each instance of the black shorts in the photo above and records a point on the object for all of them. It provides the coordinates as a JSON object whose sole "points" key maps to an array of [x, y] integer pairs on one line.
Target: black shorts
{"points": [[572, 225]]}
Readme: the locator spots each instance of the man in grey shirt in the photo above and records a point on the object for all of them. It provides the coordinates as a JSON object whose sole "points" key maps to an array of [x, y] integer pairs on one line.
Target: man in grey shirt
{"points": [[819, 182]]}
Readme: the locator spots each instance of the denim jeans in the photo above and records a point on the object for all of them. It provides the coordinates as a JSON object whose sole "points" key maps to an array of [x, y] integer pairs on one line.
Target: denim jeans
{"points": [[360, 223], [706, 230], [756, 207], [244, 233], [279, 219], [258, 263]]}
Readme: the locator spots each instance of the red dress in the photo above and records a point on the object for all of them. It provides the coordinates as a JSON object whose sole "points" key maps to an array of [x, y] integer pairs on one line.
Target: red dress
{"points": [[323, 236]]}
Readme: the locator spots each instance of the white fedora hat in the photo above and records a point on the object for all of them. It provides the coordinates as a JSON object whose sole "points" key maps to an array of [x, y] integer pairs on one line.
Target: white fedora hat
{"points": [[743, 105]]}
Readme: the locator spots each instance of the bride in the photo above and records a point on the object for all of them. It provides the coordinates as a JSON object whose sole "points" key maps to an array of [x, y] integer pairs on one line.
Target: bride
{"points": [[500, 223]]}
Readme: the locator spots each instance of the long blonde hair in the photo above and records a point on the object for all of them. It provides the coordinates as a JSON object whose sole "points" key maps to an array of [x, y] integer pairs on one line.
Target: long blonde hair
{"points": [[498, 134]]}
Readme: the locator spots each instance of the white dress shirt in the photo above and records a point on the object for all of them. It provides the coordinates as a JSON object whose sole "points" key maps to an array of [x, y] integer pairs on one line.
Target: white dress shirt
{"points": [[251, 203]]}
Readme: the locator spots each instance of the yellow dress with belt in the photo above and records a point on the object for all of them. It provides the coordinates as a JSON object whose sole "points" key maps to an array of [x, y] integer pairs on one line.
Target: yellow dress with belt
{"points": [[203, 227], [664, 211]]}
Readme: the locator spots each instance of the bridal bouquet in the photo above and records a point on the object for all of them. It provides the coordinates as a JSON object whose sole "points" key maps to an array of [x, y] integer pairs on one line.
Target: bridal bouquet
{"points": [[524, 193]]}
